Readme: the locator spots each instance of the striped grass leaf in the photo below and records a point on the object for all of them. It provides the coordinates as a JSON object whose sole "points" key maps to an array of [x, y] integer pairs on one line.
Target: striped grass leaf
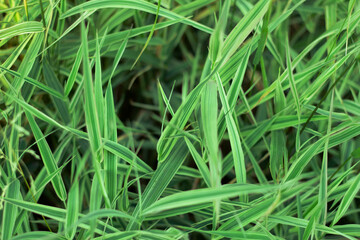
{"points": [[310, 228], [209, 108], [259, 132], [95, 204], [248, 235], [167, 140], [95, 216], [36, 235], [217, 37], [272, 26], [187, 8], [98, 84], [209, 113], [165, 99], [238, 79], [20, 29], [296, 222], [28, 60], [41, 182], [150, 34], [158, 235], [243, 28], [325, 75], [59, 214], [200, 196], [53, 82], [323, 189], [118, 56], [47, 157], [15, 9], [10, 211], [234, 135], [263, 37], [160, 180], [119, 37], [200, 163], [258, 171], [77, 96], [72, 211], [347, 199], [246, 216], [126, 154], [35, 83], [262, 208], [140, 5], [102, 213], [343, 133], [277, 146], [179, 211], [92, 117], [114, 147], [8, 63], [349, 229], [73, 73], [300, 163], [83, 16], [182, 115], [121, 235], [294, 92], [110, 132]]}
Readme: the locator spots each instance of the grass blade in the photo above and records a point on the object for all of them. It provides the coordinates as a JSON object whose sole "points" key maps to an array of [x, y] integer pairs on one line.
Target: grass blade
{"points": [[20, 29], [47, 157]]}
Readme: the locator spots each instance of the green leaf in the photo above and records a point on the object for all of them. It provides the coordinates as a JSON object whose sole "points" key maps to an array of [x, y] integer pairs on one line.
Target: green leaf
{"points": [[54, 83], [10, 211], [72, 210], [243, 28], [92, 117], [138, 5], [347, 199], [209, 108], [238, 155], [47, 157], [36, 235], [200, 196], [110, 160], [20, 29]]}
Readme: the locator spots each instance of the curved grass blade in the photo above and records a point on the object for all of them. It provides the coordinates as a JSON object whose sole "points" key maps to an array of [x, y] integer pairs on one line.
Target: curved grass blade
{"points": [[20, 29], [200, 196], [138, 5]]}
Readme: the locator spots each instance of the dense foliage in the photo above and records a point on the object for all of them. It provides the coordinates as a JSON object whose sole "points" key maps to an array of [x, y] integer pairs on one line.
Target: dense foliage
{"points": [[179, 119]]}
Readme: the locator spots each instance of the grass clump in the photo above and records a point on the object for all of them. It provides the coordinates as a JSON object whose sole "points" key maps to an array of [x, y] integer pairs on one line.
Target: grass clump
{"points": [[179, 119]]}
